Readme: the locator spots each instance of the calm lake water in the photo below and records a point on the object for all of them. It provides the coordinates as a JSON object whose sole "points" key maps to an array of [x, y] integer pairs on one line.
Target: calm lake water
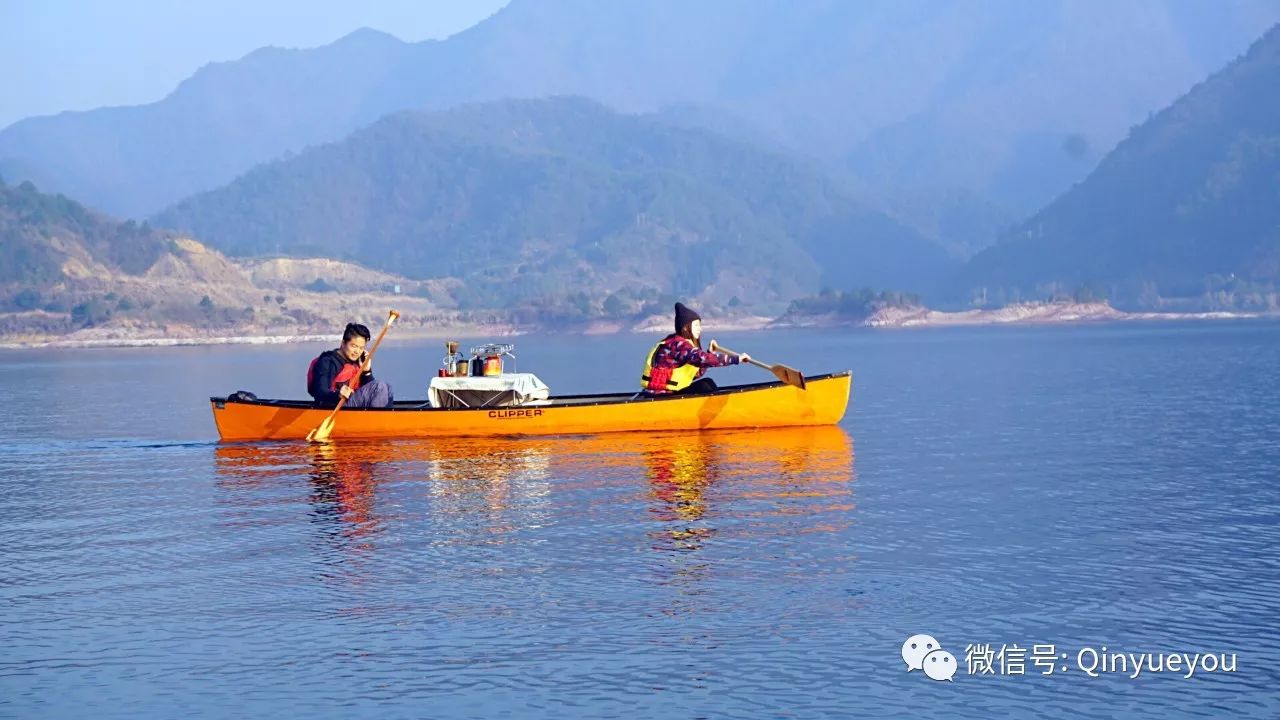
{"points": [[1108, 486]]}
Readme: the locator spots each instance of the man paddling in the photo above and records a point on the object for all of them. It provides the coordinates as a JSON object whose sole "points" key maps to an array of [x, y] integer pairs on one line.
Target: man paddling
{"points": [[678, 363], [329, 374]]}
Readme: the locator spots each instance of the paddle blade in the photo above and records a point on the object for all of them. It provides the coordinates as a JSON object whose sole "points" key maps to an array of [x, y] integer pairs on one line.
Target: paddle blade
{"points": [[788, 375], [321, 434]]}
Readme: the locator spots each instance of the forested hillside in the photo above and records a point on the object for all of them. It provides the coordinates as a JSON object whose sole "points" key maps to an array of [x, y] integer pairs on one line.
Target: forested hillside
{"points": [[521, 199], [1188, 205]]}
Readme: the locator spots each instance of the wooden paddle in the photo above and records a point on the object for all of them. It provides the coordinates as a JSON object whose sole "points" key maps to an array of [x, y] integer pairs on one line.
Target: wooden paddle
{"points": [[321, 434], [788, 375]]}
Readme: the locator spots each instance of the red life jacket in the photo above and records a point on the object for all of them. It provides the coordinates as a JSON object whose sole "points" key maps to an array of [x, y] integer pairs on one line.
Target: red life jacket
{"points": [[348, 371]]}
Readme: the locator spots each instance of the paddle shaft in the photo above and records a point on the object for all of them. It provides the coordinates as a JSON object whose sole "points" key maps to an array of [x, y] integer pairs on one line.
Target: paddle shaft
{"points": [[718, 347], [788, 375], [328, 422]]}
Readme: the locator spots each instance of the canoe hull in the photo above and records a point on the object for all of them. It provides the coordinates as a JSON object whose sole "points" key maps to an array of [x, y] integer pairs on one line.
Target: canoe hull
{"points": [[749, 406]]}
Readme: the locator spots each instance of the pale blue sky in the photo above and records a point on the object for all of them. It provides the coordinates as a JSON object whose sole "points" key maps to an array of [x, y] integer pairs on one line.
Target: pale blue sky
{"points": [[79, 54]]}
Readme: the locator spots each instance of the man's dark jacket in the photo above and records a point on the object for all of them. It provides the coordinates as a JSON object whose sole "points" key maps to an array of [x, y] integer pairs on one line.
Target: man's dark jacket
{"points": [[323, 371]]}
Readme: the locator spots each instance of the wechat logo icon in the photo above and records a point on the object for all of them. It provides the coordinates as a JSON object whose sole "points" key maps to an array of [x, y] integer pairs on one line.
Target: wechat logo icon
{"points": [[924, 652]]}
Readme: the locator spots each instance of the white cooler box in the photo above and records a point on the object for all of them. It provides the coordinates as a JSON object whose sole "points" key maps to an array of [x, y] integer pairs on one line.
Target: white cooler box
{"points": [[506, 390]]}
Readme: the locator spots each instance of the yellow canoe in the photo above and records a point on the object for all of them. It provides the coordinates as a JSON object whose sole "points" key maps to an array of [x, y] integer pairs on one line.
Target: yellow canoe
{"points": [[743, 406]]}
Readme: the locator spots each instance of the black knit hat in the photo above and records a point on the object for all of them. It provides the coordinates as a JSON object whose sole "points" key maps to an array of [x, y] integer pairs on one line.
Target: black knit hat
{"points": [[684, 316]]}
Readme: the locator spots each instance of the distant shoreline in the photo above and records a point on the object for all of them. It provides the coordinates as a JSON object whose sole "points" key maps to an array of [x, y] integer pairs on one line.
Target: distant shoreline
{"points": [[66, 343], [883, 319], [1046, 313]]}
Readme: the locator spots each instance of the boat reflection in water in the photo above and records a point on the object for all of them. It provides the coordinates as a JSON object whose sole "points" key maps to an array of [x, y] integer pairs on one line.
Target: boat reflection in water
{"points": [[692, 485], [754, 493], [341, 486], [476, 475]]}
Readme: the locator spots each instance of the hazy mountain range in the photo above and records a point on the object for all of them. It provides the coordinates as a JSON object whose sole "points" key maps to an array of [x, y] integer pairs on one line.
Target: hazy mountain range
{"points": [[1006, 99], [522, 197], [752, 153], [1188, 204]]}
